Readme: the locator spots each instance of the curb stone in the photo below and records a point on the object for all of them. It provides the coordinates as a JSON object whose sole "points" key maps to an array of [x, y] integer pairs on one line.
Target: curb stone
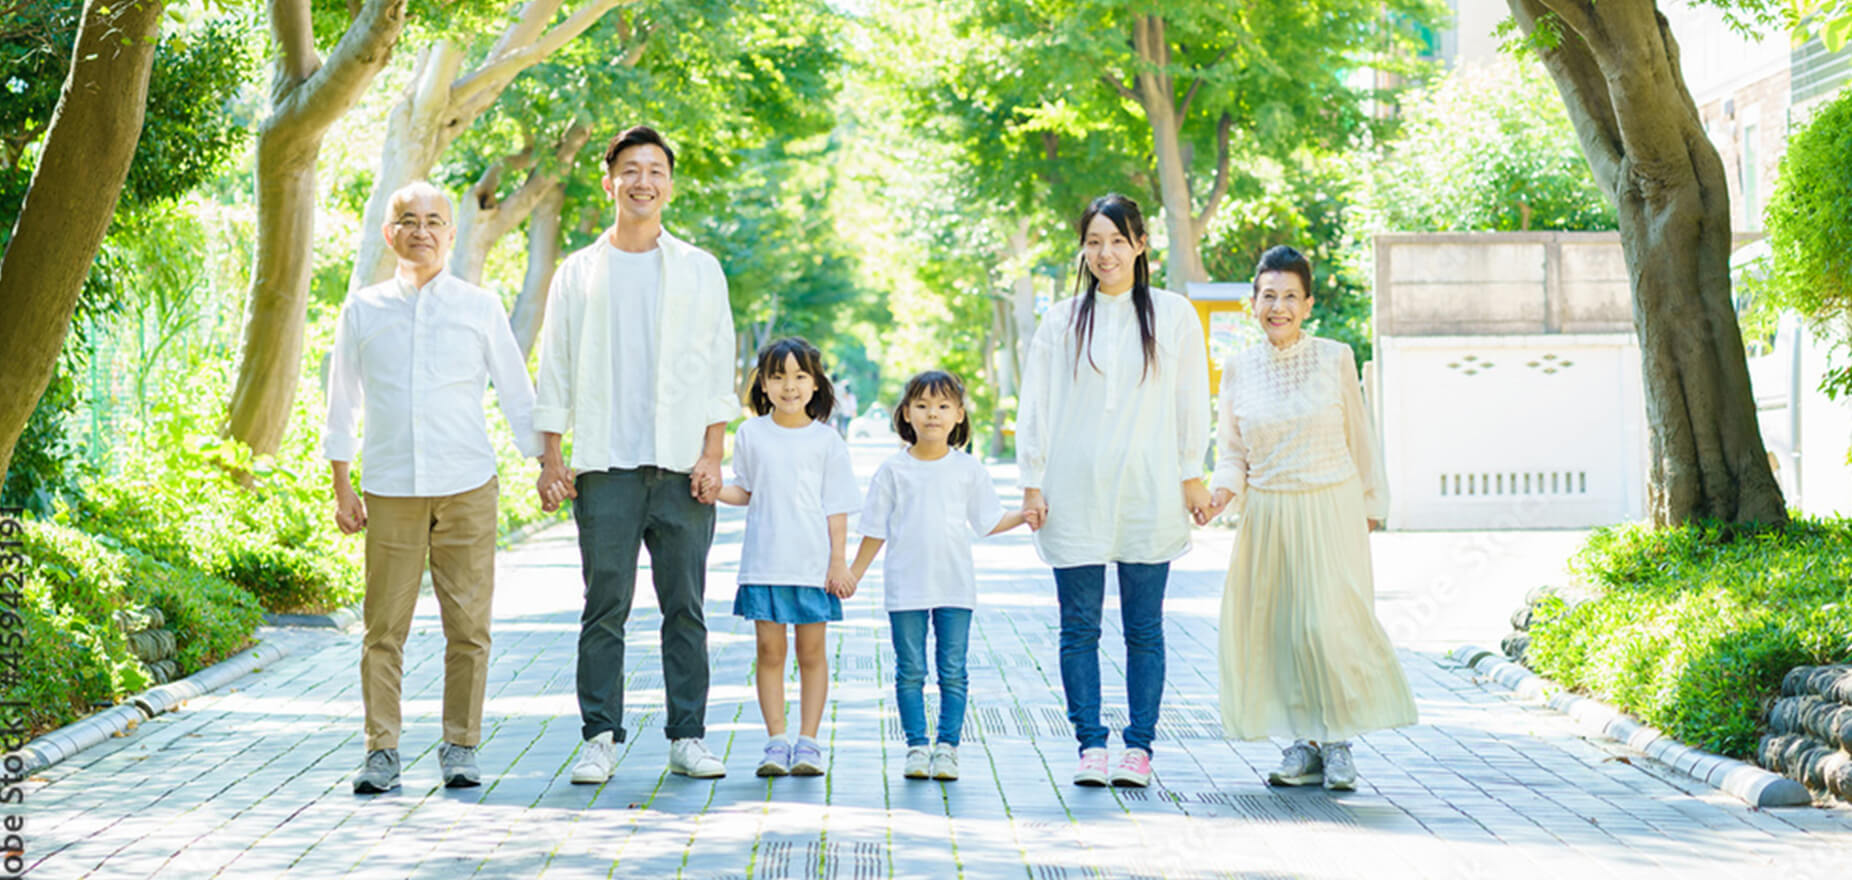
{"points": [[66, 741], [1752, 784]]}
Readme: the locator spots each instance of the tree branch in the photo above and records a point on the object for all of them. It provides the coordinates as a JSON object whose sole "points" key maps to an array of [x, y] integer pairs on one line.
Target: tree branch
{"points": [[1584, 87], [495, 72], [526, 27], [1183, 109], [1222, 161], [297, 60], [338, 83], [1121, 88]]}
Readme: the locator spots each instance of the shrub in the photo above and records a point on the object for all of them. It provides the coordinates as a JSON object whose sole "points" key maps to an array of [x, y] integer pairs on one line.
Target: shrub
{"points": [[1809, 220], [1692, 627]]}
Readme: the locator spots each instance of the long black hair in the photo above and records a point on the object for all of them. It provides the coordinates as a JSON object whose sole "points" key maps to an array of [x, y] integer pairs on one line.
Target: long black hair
{"points": [[1124, 214], [943, 384], [809, 359]]}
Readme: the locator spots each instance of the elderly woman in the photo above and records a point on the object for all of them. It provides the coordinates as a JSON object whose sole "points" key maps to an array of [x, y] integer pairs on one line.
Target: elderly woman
{"points": [[1303, 656]]}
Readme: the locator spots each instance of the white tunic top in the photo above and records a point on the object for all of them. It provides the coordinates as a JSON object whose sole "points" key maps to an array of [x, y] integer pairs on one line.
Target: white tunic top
{"points": [[1292, 420], [928, 512], [415, 362], [1109, 447], [799, 478]]}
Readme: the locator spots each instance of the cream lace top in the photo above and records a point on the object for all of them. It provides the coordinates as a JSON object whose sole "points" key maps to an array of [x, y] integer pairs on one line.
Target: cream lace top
{"points": [[1108, 444], [1292, 419]]}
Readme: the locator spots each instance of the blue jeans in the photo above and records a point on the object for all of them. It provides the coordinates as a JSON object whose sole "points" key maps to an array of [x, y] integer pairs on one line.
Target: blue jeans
{"points": [[1082, 591], [952, 630]]}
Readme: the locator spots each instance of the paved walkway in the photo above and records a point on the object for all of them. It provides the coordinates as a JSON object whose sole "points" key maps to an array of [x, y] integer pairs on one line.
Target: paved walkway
{"points": [[254, 782]]}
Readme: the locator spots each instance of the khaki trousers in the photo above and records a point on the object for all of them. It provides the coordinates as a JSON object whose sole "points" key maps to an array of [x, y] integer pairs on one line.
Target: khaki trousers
{"points": [[457, 534]]}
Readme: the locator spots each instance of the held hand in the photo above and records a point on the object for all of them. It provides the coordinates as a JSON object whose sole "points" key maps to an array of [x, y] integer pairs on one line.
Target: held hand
{"points": [[554, 485], [1219, 502], [1196, 500], [840, 581], [1034, 509], [704, 482], [350, 513], [1376, 525]]}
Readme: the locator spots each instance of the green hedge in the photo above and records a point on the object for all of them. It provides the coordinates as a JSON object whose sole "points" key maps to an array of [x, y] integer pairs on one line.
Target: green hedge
{"points": [[75, 657], [1691, 628]]}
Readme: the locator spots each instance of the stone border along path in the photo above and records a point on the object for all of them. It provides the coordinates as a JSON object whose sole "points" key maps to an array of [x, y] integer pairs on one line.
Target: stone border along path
{"points": [[253, 781]]}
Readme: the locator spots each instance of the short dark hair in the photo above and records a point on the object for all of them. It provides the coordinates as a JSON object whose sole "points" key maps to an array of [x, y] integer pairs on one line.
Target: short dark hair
{"points": [[1281, 258], [943, 384], [809, 359], [636, 136]]}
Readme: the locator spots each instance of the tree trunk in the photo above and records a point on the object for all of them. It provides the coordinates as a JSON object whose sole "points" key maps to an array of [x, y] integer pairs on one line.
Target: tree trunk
{"points": [[543, 244], [68, 206], [484, 215], [307, 97], [1616, 65], [441, 104]]}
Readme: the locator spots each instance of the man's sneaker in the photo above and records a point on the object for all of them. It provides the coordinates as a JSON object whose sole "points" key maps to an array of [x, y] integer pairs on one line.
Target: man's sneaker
{"points": [[777, 758], [596, 759], [690, 757], [1299, 765], [458, 764], [806, 758], [1092, 769], [1134, 769], [381, 773], [919, 763], [1340, 772], [945, 762]]}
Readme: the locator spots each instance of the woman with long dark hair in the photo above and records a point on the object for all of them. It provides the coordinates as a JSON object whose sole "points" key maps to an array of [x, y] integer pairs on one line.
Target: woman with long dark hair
{"points": [[1303, 657], [1110, 436]]}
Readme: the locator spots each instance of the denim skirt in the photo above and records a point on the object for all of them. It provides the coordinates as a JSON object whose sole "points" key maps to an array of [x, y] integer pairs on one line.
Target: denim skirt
{"points": [[786, 604]]}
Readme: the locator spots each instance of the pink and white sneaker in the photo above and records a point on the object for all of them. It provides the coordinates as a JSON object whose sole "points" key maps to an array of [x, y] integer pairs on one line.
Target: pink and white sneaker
{"points": [[1134, 770], [1092, 769]]}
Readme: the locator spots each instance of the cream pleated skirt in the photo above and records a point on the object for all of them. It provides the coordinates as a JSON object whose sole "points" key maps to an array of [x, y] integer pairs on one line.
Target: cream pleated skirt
{"points": [[1303, 656]]}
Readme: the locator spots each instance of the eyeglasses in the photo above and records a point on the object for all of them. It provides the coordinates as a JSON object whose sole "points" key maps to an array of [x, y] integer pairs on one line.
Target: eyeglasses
{"points": [[413, 224]]}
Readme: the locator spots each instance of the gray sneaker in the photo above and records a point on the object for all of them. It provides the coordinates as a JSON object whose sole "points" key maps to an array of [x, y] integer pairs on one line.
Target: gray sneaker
{"points": [[458, 764], [1299, 765], [380, 775], [806, 758], [1340, 772]]}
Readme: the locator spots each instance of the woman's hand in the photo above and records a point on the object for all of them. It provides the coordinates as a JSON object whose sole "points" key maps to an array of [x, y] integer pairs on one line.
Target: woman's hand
{"points": [[840, 581], [1219, 502], [1034, 509], [1196, 500]]}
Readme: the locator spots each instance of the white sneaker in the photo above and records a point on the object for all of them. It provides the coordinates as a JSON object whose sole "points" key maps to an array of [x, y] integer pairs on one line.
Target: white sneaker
{"points": [[597, 757], [919, 763], [1340, 771], [690, 757], [1300, 764], [945, 762]]}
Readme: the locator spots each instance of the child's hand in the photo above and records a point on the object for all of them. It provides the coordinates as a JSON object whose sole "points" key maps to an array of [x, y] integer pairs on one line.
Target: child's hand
{"points": [[840, 582]]}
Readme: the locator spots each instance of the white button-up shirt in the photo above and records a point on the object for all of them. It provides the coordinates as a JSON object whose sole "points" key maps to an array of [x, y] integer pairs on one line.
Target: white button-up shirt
{"points": [[1108, 443], [416, 361], [692, 368]]}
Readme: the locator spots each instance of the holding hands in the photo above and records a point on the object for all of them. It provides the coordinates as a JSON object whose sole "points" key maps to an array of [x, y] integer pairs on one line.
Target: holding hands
{"points": [[1034, 509], [704, 482], [555, 483], [1196, 500], [841, 581]]}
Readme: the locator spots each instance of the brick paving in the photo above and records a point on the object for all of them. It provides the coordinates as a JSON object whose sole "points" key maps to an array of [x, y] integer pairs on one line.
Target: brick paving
{"points": [[253, 781]]}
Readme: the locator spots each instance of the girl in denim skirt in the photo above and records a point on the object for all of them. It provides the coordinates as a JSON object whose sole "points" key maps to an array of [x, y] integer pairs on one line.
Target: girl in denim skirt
{"points": [[792, 474], [929, 500]]}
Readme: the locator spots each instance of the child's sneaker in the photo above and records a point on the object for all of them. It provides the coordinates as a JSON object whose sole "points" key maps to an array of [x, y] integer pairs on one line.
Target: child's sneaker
{"points": [[1134, 769], [1092, 769], [777, 758], [919, 758], [806, 758], [945, 762]]}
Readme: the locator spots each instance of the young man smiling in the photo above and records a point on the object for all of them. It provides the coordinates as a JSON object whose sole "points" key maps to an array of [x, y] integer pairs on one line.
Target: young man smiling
{"points": [[636, 362]]}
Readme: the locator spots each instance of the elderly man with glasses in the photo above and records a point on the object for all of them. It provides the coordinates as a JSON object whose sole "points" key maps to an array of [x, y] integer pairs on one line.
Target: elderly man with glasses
{"points": [[413, 355]]}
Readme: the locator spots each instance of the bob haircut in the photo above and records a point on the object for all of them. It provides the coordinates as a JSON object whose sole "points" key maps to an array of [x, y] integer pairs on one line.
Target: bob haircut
{"points": [[1281, 258], [772, 361], [943, 384]]}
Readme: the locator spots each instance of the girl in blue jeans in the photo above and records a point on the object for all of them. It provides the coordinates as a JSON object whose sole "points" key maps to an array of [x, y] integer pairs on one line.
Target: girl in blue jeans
{"points": [[929, 501]]}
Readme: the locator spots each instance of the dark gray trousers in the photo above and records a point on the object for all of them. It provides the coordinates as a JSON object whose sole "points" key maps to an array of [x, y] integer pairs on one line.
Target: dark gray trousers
{"points": [[619, 511]]}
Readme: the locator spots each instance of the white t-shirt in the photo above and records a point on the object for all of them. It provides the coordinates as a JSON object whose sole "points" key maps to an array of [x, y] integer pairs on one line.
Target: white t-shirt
{"points": [[928, 512], [636, 295], [798, 477]]}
